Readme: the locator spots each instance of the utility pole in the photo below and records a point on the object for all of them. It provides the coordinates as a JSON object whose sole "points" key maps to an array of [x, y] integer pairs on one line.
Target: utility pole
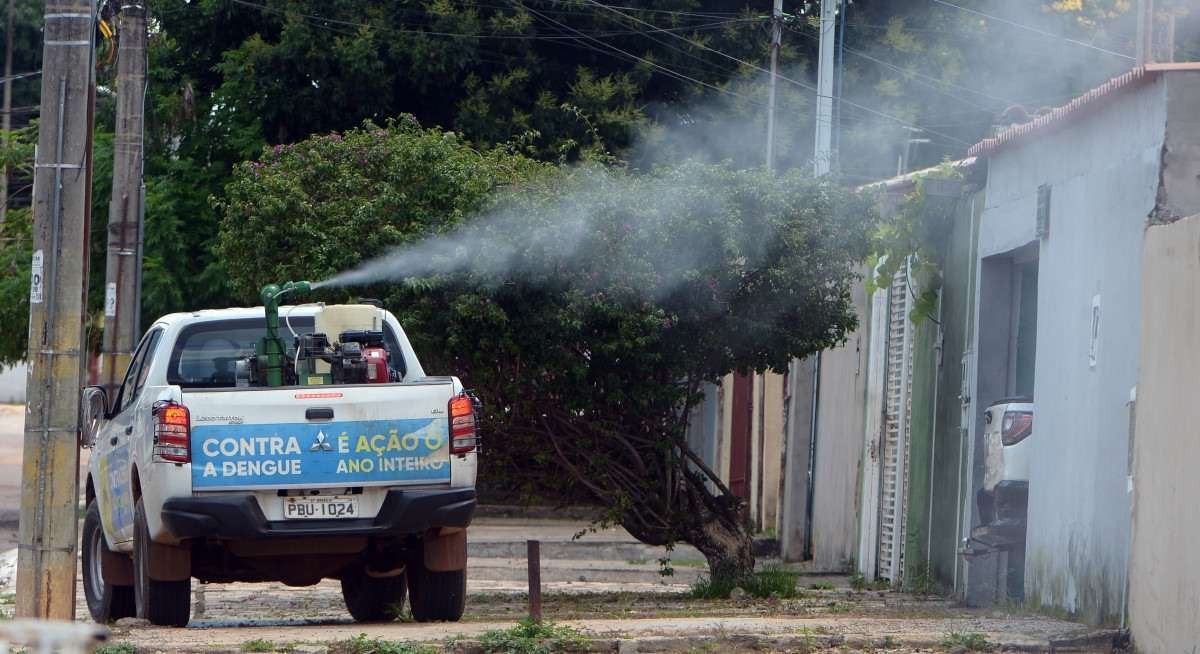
{"points": [[6, 119], [1145, 32], [776, 40], [123, 271], [823, 147], [57, 306]]}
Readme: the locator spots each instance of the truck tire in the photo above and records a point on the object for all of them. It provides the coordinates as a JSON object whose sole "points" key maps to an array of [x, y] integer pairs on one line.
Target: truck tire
{"points": [[373, 599], [106, 602], [166, 603], [436, 596]]}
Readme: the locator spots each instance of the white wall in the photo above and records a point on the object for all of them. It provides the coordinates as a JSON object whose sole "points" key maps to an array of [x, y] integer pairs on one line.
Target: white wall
{"points": [[12, 384], [1104, 170]]}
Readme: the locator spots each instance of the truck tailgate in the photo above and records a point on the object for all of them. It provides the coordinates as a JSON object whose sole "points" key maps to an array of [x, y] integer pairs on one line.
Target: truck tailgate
{"points": [[320, 436]]}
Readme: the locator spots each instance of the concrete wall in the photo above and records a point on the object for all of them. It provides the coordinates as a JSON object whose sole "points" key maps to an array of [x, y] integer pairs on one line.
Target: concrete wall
{"points": [[840, 415], [1104, 170], [12, 384], [1164, 586]]}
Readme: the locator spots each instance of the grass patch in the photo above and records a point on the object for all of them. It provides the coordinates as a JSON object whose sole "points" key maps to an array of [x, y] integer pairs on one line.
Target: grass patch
{"points": [[771, 581], [972, 642], [821, 585], [858, 581], [116, 648], [360, 644], [529, 637], [262, 645]]}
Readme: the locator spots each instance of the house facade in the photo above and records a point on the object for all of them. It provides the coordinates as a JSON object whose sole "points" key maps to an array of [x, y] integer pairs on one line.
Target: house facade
{"points": [[1040, 298]]}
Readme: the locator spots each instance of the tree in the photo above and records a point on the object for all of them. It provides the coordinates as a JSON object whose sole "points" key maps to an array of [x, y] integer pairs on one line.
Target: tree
{"points": [[586, 305]]}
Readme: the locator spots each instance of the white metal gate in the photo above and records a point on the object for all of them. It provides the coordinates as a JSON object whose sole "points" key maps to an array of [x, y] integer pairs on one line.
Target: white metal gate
{"points": [[894, 448]]}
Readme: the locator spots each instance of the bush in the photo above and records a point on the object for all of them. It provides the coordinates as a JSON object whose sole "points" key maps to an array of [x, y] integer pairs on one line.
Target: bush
{"points": [[529, 637]]}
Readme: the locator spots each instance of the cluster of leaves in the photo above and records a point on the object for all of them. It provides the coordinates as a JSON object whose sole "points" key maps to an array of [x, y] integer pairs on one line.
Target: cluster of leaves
{"points": [[913, 240], [531, 637]]}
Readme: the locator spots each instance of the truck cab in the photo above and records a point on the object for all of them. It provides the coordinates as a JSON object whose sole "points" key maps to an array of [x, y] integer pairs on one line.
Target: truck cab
{"points": [[353, 465]]}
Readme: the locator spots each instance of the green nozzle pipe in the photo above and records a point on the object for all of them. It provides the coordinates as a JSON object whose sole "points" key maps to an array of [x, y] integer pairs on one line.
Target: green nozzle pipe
{"points": [[272, 348]]}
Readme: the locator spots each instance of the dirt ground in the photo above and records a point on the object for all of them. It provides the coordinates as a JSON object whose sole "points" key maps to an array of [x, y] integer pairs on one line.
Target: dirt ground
{"points": [[873, 621], [606, 585]]}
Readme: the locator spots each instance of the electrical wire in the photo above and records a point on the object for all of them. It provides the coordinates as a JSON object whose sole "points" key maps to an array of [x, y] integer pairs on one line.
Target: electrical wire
{"points": [[803, 85], [316, 20], [1034, 29], [663, 69]]}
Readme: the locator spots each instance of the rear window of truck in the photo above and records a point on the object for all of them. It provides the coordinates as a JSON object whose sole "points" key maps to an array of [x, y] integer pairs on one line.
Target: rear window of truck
{"points": [[205, 352]]}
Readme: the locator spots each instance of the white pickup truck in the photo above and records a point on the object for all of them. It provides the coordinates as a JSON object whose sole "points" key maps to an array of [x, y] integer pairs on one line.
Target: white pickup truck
{"points": [[200, 472]]}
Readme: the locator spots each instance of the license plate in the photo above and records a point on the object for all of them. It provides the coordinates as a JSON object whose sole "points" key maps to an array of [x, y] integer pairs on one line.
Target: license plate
{"points": [[320, 508]]}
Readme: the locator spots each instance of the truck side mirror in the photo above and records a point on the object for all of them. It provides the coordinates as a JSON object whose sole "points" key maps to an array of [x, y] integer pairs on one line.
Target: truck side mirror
{"points": [[93, 409]]}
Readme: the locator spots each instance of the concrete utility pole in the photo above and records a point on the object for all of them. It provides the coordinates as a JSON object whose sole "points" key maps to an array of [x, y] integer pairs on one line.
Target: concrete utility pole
{"points": [[1145, 32], [6, 119], [57, 305], [823, 147], [123, 273], [776, 39]]}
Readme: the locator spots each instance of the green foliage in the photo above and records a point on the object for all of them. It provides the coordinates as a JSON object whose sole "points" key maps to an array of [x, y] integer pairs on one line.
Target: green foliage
{"points": [[858, 581], [361, 644], [529, 637], [16, 251], [308, 210], [713, 587], [771, 581], [821, 585], [973, 642], [116, 648], [258, 645], [912, 242]]}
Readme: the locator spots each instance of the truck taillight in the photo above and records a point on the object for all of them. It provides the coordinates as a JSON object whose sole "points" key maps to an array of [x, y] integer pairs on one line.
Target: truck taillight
{"points": [[1016, 427], [462, 424], [172, 432]]}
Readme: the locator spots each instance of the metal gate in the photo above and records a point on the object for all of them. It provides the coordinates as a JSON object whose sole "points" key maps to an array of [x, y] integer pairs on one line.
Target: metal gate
{"points": [[894, 448]]}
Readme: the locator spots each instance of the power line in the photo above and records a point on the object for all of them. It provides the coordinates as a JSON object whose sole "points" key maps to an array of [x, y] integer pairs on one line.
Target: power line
{"points": [[664, 69], [920, 76], [316, 20], [1033, 29], [803, 85]]}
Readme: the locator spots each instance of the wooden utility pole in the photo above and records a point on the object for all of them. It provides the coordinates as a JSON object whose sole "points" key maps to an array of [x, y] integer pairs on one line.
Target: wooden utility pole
{"points": [[123, 272], [6, 119], [57, 305]]}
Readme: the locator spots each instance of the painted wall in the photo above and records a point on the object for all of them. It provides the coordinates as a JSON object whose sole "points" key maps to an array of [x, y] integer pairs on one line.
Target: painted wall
{"points": [[12, 384], [840, 415], [1164, 586], [1104, 171]]}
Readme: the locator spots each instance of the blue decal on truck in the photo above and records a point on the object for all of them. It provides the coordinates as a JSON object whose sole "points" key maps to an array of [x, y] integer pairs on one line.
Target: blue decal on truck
{"points": [[289, 454]]}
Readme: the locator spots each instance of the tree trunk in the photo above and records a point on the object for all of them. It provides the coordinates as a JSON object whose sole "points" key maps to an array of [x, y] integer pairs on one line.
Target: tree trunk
{"points": [[729, 551]]}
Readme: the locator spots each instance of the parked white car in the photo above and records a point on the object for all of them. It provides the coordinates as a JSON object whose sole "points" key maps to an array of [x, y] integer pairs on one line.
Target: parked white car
{"points": [[1008, 424], [199, 471]]}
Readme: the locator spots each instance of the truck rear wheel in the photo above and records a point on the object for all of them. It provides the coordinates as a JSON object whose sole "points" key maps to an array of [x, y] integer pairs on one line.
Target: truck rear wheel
{"points": [[373, 599], [106, 602], [436, 596], [167, 603]]}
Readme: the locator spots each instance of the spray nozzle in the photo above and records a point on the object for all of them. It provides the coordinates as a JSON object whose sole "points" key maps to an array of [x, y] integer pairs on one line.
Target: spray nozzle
{"points": [[271, 293]]}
